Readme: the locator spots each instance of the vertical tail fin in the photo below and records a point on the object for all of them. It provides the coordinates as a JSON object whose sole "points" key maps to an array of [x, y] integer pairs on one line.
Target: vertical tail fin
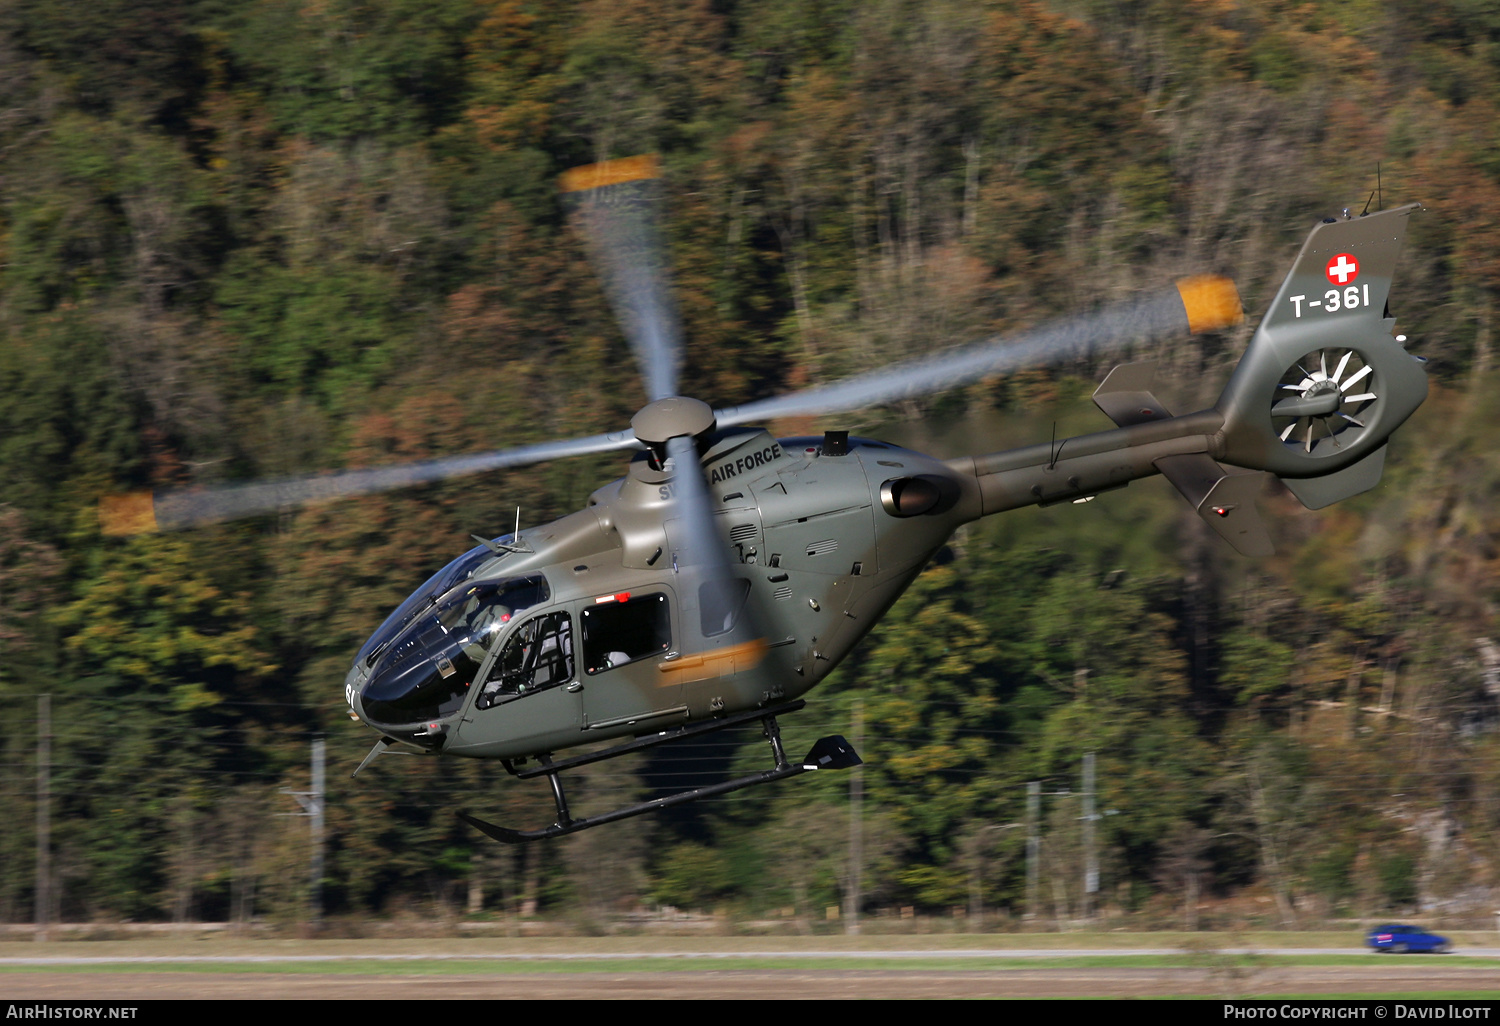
{"points": [[1324, 381]]}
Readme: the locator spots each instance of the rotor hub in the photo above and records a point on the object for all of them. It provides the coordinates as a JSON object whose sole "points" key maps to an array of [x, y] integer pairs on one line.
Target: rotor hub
{"points": [[670, 418]]}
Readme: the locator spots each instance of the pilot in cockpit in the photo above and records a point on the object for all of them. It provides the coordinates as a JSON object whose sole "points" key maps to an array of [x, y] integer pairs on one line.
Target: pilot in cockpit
{"points": [[482, 621]]}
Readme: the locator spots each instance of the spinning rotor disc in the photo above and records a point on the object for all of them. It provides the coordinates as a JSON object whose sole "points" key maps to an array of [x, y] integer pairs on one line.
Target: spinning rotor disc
{"points": [[615, 207]]}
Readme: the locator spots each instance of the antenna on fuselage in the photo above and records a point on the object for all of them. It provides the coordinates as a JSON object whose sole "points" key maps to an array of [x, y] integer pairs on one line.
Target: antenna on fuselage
{"points": [[500, 548], [1375, 194]]}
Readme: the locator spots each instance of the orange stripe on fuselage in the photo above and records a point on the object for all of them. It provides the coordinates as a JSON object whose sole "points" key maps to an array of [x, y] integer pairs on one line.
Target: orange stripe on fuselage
{"points": [[718, 662]]}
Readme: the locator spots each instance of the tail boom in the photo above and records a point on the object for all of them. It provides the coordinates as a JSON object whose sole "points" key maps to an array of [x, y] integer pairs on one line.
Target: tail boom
{"points": [[1321, 387]]}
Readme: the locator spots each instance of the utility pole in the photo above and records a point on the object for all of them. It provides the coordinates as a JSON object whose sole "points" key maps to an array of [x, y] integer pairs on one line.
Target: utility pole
{"points": [[1090, 848], [1033, 844], [315, 884], [43, 816], [1090, 844], [312, 807], [856, 836]]}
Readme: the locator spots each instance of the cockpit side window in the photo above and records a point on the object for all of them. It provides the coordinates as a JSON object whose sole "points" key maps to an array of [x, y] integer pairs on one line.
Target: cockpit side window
{"points": [[537, 655], [625, 629]]}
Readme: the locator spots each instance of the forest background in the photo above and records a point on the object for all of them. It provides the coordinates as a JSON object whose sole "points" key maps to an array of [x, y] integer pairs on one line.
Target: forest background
{"points": [[250, 238]]}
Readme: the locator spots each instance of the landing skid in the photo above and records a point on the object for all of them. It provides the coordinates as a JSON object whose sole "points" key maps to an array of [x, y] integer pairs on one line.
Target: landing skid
{"points": [[831, 752]]}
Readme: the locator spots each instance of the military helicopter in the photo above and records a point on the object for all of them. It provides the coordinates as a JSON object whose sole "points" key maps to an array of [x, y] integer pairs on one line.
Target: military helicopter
{"points": [[728, 572]]}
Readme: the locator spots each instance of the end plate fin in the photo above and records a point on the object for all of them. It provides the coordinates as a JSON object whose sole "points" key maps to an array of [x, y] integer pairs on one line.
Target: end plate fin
{"points": [[1125, 395], [1317, 492]]}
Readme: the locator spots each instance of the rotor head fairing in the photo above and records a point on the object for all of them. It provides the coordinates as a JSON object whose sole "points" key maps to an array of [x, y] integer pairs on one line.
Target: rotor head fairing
{"points": [[673, 417]]}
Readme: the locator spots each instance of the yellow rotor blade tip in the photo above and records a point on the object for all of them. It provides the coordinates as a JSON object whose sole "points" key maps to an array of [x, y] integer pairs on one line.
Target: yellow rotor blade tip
{"points": [[1211, 301], [127, 513], [609, 172]]}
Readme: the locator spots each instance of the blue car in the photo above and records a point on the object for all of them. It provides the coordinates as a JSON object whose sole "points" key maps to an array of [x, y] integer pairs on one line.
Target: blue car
{"points": [[1393, 937]]}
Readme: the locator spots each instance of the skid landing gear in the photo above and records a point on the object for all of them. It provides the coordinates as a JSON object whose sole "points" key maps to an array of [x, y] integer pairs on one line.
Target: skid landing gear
{"points": [[831, 752]]}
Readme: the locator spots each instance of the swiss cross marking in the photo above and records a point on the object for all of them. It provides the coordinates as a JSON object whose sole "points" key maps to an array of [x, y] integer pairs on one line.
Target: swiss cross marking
{"points": [[1342, 269]]}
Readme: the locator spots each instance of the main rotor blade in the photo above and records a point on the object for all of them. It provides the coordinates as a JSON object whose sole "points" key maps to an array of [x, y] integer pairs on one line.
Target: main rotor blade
{"points": [[143, 512], [710, 585], [704, 548], [1196, 304], [615, 204]]}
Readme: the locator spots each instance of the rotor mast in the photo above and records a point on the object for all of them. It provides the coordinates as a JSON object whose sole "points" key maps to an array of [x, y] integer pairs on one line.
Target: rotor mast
{"points": [[676, 416]]}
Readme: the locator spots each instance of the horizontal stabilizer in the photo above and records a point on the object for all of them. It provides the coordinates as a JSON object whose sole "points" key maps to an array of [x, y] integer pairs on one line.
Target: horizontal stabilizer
{"points": [[1226, 502], [1317, 492], [832, 752], [1125, 395]]}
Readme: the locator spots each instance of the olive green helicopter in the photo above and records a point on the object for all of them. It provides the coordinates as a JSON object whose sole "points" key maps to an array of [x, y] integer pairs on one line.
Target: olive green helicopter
{"points": [[728, 571]]}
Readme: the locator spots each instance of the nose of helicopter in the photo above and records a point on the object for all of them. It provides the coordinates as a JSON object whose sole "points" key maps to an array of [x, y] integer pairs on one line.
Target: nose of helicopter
{"points": [[393, 704], [354, 682], [354, 693], [363, 692]]}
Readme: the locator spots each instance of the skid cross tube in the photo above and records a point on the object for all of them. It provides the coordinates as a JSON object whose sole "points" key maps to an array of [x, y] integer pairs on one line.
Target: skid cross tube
{"points": [[773, 735], [558, 798], [548, 767], [565, 824]]}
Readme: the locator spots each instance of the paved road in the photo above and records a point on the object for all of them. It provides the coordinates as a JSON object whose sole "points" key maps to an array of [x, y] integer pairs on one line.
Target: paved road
{"points": [[1019, 982], [1219, 977], [787, 954]]}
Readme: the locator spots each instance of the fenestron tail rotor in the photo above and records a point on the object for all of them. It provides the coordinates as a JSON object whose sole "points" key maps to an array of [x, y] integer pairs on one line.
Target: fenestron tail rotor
{"points": [[1324, 400]]}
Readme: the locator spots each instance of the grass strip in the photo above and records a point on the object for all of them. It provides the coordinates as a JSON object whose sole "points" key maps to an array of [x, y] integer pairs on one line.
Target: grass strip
{"points": [[729, 962]]}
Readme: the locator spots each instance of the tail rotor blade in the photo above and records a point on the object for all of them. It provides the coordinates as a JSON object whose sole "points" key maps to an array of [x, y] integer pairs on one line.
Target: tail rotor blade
{"points": [[1197, 304], [615, 205]]}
